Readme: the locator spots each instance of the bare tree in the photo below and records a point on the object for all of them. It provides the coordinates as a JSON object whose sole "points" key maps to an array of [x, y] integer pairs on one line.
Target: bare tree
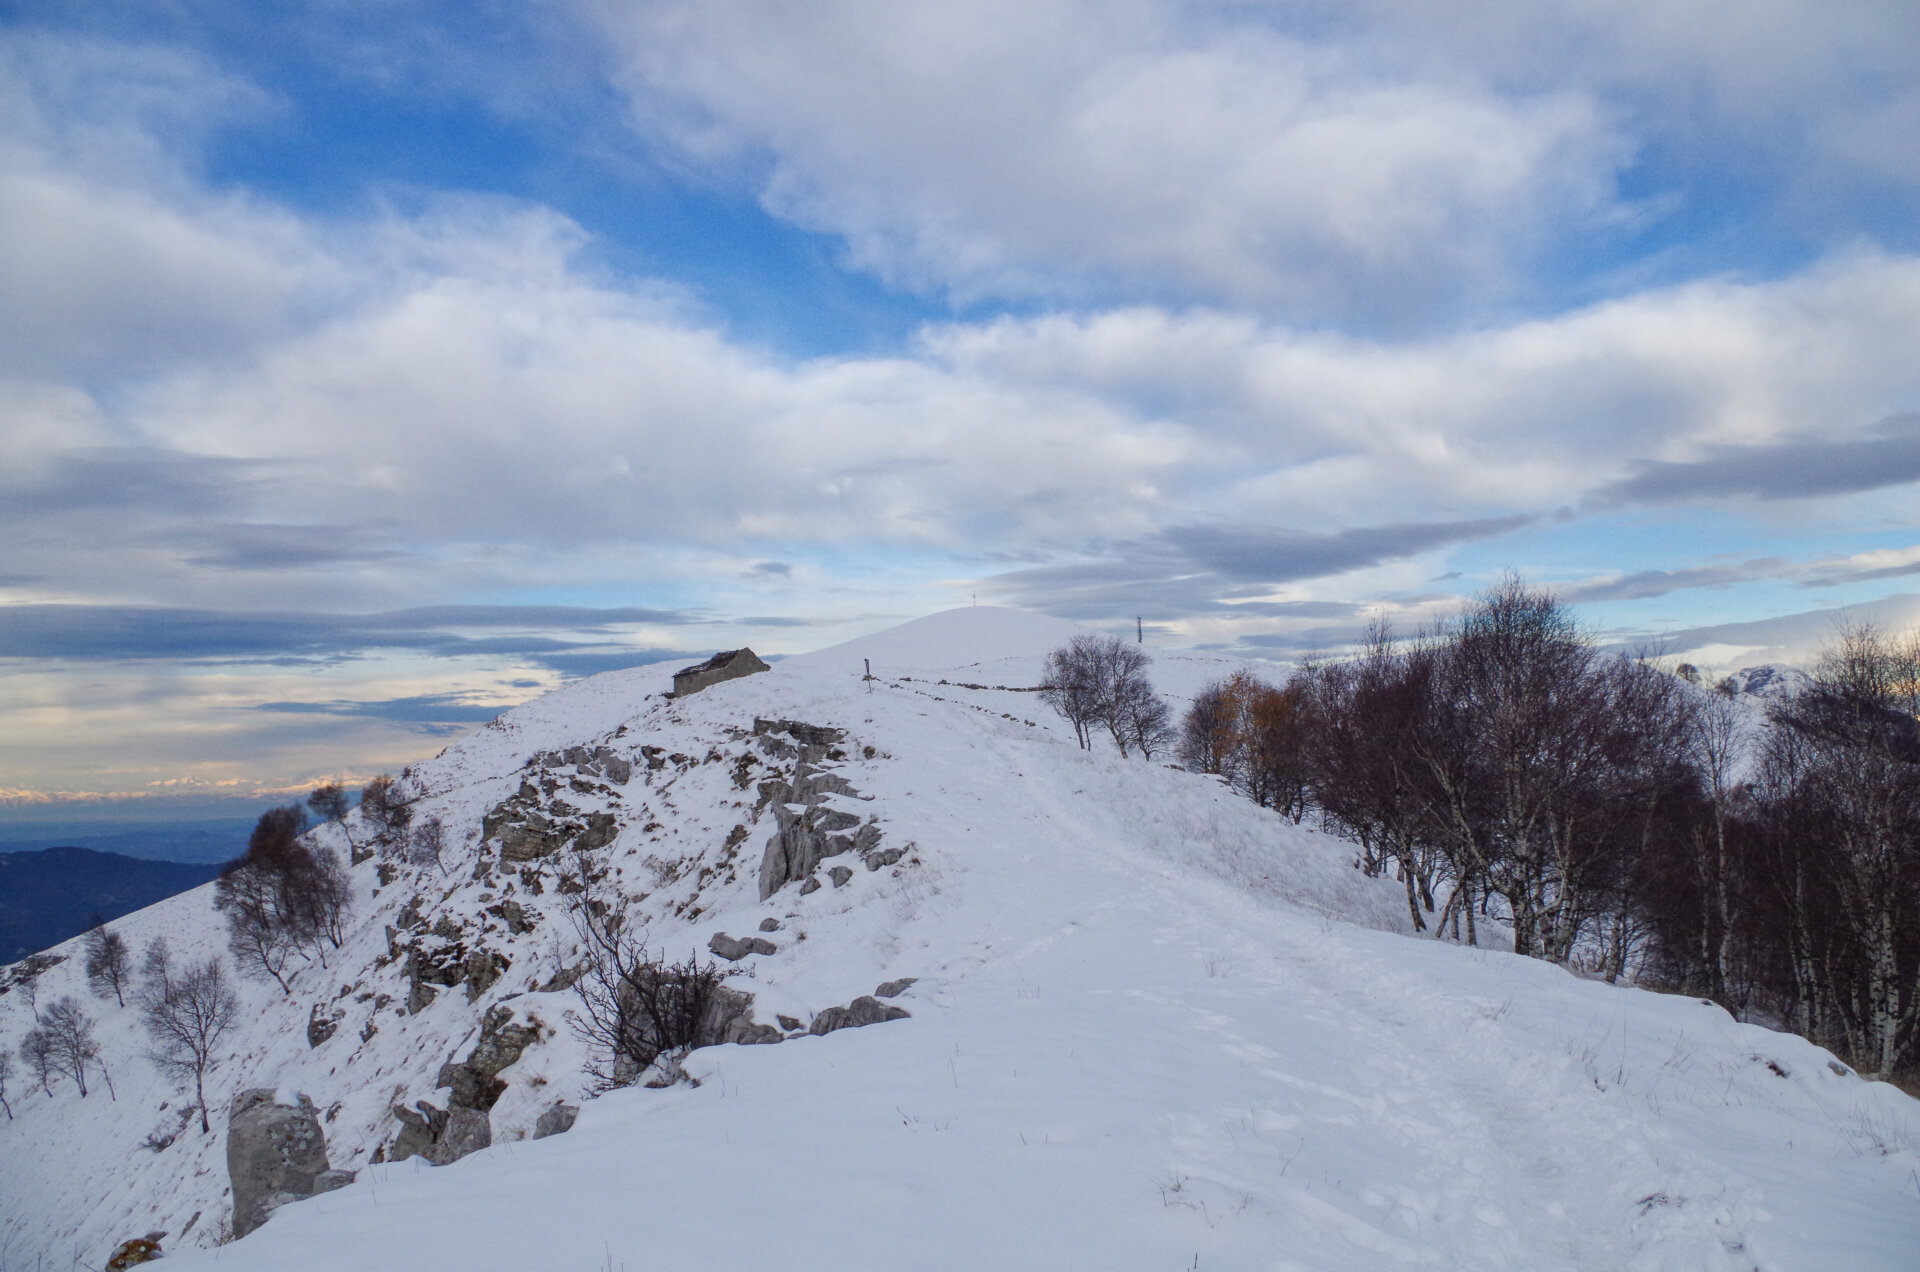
{"points": [[284, 897], [156, 963], [29, 985], [1101, 680], [185, 1018], [329, 803], [426, 842], [1206, 740], [109, 963], [1717, 737], [36, 1052], [70, 1042], [383, 804], [262, 940], [320, 894], [6, 1071], [1071, 686], [1141, 718], [1841, 786]]}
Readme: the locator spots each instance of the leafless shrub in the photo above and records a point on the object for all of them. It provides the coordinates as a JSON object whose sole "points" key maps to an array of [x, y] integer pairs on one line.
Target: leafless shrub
{"points": [[634, 1006]]}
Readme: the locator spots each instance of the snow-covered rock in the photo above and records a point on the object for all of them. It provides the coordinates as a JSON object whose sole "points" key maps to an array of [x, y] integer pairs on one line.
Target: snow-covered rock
{"points": [[1147, 1025], [1768, 681]]}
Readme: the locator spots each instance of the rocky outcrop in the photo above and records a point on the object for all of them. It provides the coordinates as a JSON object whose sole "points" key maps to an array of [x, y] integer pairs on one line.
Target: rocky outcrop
{"points": [[729, 1018], [811, 819], [276, 1153], [806, 734], [434, 961], [537, 821], [728, 665], [864, 1010], [733, 948], [473, 1087], [597, 761], [426, 1131], [322, 1024]]}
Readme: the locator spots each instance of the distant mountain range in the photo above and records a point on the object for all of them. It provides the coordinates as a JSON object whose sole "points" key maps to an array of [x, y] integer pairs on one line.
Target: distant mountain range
{"points": [[51, 895], [209, 839]]}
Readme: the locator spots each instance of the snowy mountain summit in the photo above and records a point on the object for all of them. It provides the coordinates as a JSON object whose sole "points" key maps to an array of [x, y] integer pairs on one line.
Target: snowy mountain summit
{"points": [[998, 1003]]}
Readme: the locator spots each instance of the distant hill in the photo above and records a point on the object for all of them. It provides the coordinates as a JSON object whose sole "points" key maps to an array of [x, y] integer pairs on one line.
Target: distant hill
{"points": [[51, 895], [210, 839]]}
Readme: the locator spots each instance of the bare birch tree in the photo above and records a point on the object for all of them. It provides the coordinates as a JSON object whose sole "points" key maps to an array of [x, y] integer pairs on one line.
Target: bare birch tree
{"points": [[109, 964], [185, 1017]]}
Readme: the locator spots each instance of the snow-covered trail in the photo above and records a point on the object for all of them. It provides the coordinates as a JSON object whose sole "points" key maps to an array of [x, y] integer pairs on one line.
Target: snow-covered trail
{"points": [[1142, 1040]]}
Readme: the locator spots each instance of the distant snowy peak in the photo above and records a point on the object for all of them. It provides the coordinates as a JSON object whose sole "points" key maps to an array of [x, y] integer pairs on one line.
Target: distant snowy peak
{"points": [[1769, 680]]}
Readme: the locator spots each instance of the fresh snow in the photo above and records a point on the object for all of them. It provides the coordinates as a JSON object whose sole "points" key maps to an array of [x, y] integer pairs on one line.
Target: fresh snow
{"points": [[1154, 1028]]}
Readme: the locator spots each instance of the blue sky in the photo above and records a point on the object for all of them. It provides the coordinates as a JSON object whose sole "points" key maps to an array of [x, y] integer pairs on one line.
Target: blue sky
{"points": [[365, 367]]}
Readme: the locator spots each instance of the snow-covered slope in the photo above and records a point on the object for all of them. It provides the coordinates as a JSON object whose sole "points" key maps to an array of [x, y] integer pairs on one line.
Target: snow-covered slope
{"points": [[1153, 1027]]}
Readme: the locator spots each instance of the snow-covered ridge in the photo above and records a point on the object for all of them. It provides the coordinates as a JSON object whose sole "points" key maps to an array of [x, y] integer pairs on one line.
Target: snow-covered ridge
{"points": [[1151, 1024]]}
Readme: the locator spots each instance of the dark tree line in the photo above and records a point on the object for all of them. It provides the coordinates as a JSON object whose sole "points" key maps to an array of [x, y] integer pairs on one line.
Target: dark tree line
{"points": [[1614, 815]]}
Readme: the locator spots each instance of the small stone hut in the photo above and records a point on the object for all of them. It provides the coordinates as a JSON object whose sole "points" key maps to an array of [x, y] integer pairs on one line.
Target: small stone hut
{"points": [[728, 665]]}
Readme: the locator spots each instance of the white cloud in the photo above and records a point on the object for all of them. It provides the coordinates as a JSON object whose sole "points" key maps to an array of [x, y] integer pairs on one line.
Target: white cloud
{"points": [[1379, 163], [1321, 429], [1078, 149]]}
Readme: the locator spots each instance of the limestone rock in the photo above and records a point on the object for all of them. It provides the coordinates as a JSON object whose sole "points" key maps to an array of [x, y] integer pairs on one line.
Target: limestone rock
{"points": [[729, 1018], [420, 1129], [557, 1120], [769, 925], [439, 1135], [805, 734], [828, 820], [840, 876], [484, 967], [275, 1153], [328, 1180], [894, 988], [864, 1010], [468, 1131], [514, 915], [733, 949], [502, 1042], [473, 1086], [728, 665], [321, 1025]]}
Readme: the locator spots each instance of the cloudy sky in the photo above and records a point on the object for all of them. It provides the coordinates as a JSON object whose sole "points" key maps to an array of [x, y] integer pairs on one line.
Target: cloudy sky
{"points": [[368, 364]]}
